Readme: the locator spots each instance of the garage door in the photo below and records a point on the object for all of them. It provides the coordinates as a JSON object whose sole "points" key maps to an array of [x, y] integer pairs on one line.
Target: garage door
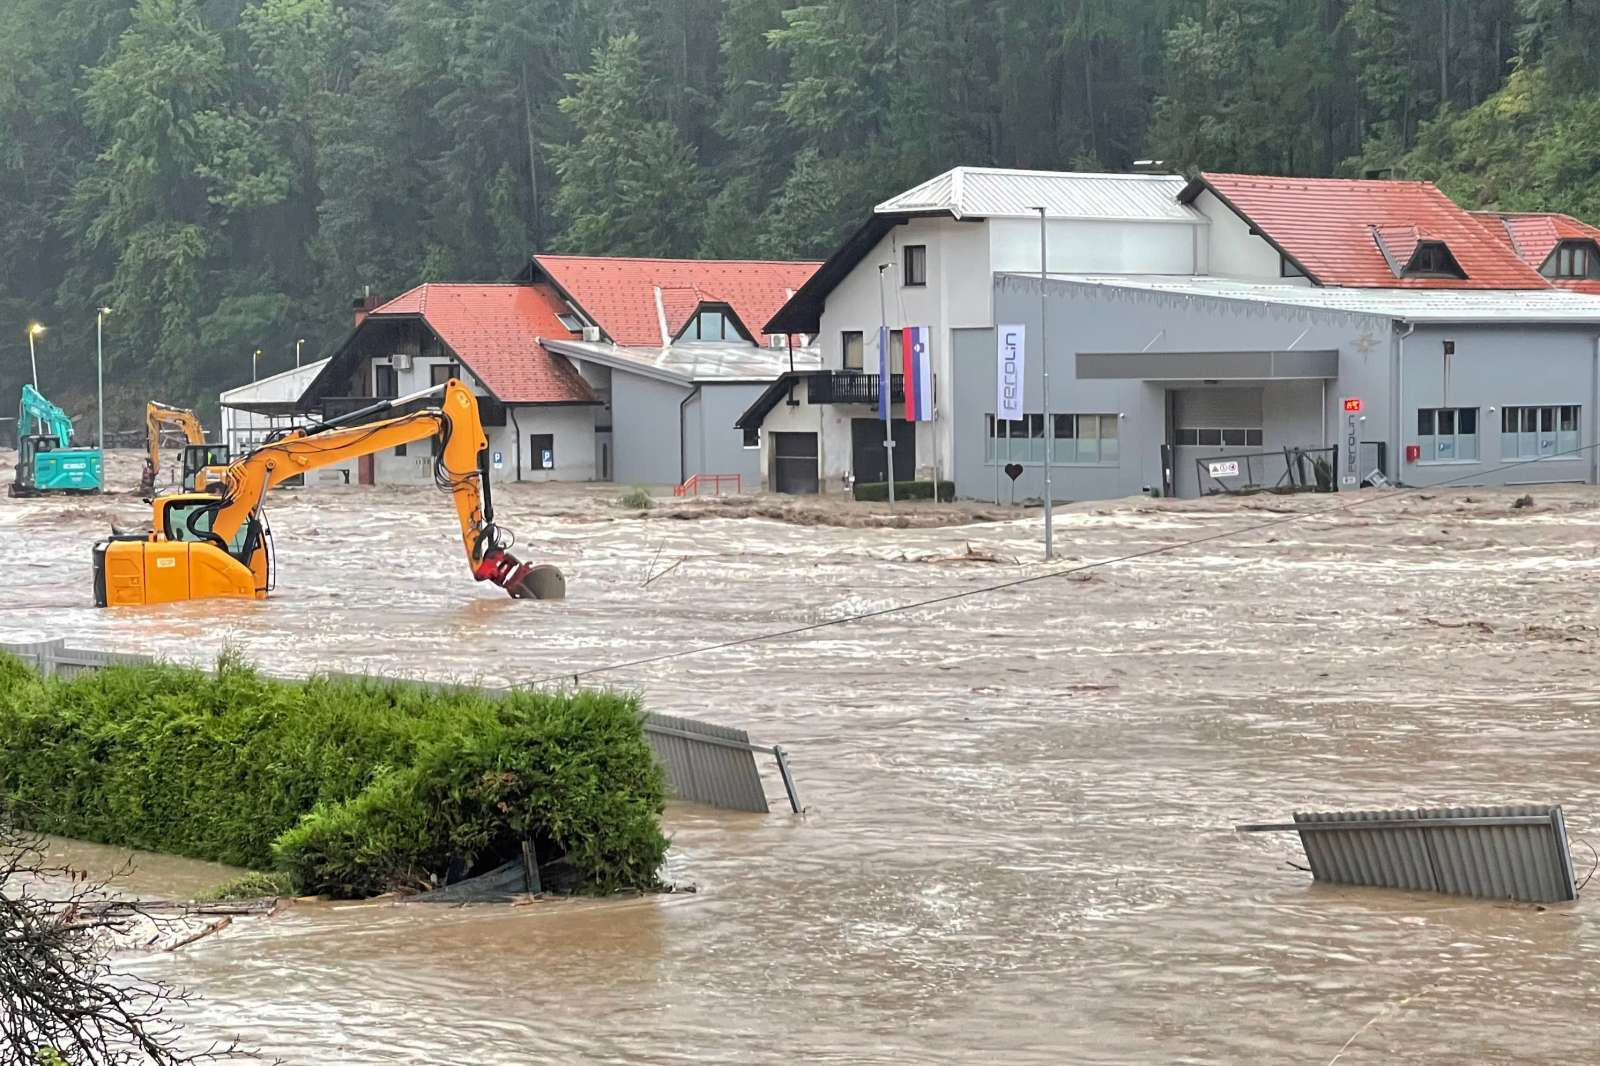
{"points": [[794, 462]]}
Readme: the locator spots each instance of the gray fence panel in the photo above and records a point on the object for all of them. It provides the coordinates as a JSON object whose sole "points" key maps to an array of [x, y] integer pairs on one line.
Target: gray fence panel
{"points": [[1507, 852], [704, 762], [722, 775]]}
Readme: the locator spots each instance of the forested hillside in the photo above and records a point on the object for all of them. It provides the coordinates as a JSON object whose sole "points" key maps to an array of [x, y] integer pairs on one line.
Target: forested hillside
{"points": [[229, 174]]}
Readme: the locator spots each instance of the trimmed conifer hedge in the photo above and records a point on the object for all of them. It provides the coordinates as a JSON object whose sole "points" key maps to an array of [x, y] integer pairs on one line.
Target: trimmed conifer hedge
{"points": [[350, 787]]}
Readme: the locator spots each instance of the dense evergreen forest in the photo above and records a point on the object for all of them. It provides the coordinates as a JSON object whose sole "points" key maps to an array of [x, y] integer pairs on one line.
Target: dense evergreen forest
{"points": [[228, 174]]}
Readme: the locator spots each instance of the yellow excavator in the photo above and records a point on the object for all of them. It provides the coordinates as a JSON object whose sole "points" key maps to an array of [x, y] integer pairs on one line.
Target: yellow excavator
{"points": [[203, 463], [216, 544]]}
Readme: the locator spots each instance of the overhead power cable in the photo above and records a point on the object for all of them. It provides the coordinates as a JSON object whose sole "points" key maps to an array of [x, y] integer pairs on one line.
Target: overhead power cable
{"points": [[962, 594]]}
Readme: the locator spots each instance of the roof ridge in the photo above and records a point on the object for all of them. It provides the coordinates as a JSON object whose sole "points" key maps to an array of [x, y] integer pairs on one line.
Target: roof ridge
{"points": [[667, 259]]}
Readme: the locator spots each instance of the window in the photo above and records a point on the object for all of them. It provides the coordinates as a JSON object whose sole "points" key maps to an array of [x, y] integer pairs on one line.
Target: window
{"points": [[752, 437], [916, 264], [542, 450], [1433, 259], [1539, 432], [1018, 440], [1573, 259], [1085, 439], [1287, 269], [572, 322], [385, 383], [1232, 438], [1447, 434], [854, 349], [710, 326], [440, 373], [894, 351]]}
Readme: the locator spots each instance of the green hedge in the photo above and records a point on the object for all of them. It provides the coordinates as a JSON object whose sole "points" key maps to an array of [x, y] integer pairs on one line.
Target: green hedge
{"points": [[905, 490], [349, 787]]}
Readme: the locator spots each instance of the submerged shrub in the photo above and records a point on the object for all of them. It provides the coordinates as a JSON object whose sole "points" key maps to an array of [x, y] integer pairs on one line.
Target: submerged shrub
{"points": [[350, 787], [637, 498]]}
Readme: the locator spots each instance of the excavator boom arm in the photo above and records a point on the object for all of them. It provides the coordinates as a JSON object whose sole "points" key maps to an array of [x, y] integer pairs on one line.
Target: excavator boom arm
{"points": [[38, 415], [157, 415], [460, 469]]}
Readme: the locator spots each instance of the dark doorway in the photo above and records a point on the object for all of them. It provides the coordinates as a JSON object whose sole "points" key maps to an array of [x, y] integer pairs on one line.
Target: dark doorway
{"points": [[867, 451], [794, 463]]}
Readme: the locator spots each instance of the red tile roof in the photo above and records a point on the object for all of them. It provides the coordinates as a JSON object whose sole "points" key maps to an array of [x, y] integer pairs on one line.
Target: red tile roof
{"points": [[494, 329], [1533, 235], [619, 294], [1327, 226]]}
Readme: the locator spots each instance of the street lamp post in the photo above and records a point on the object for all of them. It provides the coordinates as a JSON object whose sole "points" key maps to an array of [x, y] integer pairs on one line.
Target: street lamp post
{"points": [[255, 365], [297, 345], [100, 375], [34, 329]]}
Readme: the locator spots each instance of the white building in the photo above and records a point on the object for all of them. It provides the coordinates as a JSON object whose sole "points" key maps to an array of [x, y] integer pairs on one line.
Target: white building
{"points": [[250, 412]]}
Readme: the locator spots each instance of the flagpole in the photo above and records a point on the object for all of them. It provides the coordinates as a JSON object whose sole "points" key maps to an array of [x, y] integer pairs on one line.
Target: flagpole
{"points": [[885, 381]]}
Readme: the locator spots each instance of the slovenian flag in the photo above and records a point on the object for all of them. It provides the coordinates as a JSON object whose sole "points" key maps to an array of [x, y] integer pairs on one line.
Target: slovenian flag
{"points": [[919, 374]]}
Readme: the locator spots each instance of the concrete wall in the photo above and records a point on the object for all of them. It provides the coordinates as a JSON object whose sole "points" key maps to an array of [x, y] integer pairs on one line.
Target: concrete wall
{"points": [[1235, 251], [644, 425], [1089, 318], [716, 447], [831, 423], [1494, 367]]}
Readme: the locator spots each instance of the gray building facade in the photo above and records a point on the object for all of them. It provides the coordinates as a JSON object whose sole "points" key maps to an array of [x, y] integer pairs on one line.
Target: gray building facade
{"points": [[1146, 379]]}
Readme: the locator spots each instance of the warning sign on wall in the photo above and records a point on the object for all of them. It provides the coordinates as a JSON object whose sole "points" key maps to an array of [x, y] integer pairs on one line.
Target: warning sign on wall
{"points": [[1227, 468]]}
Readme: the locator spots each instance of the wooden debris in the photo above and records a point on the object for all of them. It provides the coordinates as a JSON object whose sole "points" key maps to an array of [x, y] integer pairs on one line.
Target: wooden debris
{"points": [[200, 934]]}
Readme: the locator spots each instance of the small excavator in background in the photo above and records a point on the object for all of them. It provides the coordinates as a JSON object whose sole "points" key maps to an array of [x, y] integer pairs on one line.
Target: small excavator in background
{"points": [[46, 459], [203, 463], [216, 544]]}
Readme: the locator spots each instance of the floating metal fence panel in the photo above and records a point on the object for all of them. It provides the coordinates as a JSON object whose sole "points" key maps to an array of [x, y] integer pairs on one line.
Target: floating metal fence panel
{"points": [[1516, 852]]}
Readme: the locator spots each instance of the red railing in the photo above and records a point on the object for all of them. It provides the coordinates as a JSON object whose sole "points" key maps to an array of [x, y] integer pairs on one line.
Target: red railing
{"points": [[716, 481]]}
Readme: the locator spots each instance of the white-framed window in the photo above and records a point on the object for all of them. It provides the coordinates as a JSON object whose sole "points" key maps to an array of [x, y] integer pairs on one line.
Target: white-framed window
{"points": [[1447, 434], [1086, 439], [1217, 438], [1533, 432]]}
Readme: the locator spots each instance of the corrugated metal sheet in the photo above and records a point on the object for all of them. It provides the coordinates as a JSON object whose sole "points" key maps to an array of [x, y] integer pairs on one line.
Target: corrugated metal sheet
{"points": [[1514, 852], [1412, 305], [984, 192]]}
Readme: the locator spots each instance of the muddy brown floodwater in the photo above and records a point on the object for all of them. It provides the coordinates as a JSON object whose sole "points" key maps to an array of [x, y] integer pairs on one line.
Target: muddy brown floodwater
{"points": [[1018, 846]]}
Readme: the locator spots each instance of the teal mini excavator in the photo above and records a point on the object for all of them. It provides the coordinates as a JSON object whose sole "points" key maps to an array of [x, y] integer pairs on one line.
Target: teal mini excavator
{"points": [[46, 459]]}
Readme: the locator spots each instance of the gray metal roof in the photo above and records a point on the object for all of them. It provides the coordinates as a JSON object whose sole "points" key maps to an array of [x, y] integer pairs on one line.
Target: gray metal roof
{"points": [[1410, 305], [691, 362], [990, 192]]}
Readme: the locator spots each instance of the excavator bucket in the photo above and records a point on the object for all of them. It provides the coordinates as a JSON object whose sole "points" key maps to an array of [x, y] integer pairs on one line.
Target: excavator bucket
{"points": [[538, 583]]}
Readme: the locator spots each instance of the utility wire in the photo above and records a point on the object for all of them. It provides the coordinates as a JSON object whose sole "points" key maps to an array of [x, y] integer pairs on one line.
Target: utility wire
{"points": [[1145, 553]]}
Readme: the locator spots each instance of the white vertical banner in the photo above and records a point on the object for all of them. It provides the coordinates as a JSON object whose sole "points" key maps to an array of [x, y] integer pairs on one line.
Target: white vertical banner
{"points": [[1010, 366]]}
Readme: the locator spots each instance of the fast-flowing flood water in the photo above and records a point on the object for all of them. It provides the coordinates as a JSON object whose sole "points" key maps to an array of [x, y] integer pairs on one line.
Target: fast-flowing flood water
{"points": [[1018, 846]]}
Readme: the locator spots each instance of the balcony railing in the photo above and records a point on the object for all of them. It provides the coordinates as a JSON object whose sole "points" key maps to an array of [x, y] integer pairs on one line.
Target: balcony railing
{"points": [[852, 386]]}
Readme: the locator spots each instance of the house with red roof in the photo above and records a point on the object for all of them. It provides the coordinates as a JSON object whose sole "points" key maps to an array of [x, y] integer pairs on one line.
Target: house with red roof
{"points": [[587, 368], [1099, 335]]}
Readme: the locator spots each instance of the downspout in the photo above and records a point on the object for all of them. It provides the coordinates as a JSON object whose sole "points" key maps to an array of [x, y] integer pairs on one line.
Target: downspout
{"points": [[683, 461], [1399, 404], [517, 426], [1594, 450]]}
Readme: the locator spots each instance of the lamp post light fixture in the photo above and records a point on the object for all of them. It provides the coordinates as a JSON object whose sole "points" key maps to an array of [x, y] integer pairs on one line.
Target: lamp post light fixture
{"points": [[100, 377], [34, 329], [255, 362], [297, 345]]}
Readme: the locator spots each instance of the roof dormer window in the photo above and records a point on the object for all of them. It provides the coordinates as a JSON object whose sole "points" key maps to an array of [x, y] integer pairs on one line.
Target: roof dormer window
{"points": [[1412, 254], [1573, 259], [573, 323], [1432, 259], [714, 322]]}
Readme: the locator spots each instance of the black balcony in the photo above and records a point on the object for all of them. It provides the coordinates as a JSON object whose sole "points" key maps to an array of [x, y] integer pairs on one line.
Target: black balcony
{"points": [[852, 386]]}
